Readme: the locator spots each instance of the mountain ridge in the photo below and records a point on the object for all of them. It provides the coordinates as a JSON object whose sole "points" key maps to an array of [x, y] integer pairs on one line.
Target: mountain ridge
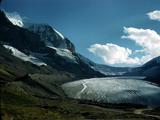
{"points": [[151, 70], [26, 41]]}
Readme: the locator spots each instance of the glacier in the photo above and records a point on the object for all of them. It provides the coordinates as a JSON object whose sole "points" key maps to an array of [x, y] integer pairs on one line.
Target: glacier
{"points": [[132, 90], [24, 57]]}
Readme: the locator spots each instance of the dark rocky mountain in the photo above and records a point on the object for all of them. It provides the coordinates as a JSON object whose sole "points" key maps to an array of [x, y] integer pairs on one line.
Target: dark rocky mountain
{"points": [[150, 69]]}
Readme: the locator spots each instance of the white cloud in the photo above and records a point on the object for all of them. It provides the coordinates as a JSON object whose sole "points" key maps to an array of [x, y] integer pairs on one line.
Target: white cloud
{"points": [[113, 54], [15, 18], [154, 15], [148, 39]]}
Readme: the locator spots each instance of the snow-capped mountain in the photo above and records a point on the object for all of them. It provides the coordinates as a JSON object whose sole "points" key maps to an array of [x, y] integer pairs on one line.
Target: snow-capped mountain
{"points": [[54, 49], [48, 41], [40, 43], [15, 19], [50, 36]]}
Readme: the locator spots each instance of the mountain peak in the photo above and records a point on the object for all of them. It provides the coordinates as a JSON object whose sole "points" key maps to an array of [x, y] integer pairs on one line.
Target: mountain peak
{"points": [[4, 19], [15, 19], [50, 36]]}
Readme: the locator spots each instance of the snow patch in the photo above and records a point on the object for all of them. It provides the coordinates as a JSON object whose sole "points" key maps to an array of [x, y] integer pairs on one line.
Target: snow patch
{"points": [[15, 18], [59, 34], [24, 57], [67, 54]]}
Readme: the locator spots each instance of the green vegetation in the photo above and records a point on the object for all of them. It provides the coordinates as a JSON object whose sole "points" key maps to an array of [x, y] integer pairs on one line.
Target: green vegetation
{"points": [[17, 104]]}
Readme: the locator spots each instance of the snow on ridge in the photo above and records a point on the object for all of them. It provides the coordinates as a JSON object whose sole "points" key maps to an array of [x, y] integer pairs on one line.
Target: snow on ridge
{"points": [[65, 53], [47, 33], [59, 33], [15, 18], [25, 57], [42, 27]]}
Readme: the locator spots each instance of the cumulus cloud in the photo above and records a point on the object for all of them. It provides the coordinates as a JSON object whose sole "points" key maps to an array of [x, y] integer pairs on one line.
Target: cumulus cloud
{"points": [[148, 39], [154, 15], [15, 18], [113, 54]]}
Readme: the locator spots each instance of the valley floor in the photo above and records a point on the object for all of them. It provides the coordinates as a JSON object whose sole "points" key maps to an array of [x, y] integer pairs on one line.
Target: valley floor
{"points": [[18, 106]]}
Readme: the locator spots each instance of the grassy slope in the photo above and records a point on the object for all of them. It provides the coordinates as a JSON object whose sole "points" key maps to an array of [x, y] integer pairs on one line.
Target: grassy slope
{"points": [[18, 105]]}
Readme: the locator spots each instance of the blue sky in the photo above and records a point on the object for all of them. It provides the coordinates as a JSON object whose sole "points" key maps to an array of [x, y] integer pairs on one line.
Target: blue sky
{"points": [[90, 22]]}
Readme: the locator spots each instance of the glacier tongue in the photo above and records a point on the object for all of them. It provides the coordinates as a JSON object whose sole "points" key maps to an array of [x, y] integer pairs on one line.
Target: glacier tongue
{"points": [[114, 90], [24, 57]]}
